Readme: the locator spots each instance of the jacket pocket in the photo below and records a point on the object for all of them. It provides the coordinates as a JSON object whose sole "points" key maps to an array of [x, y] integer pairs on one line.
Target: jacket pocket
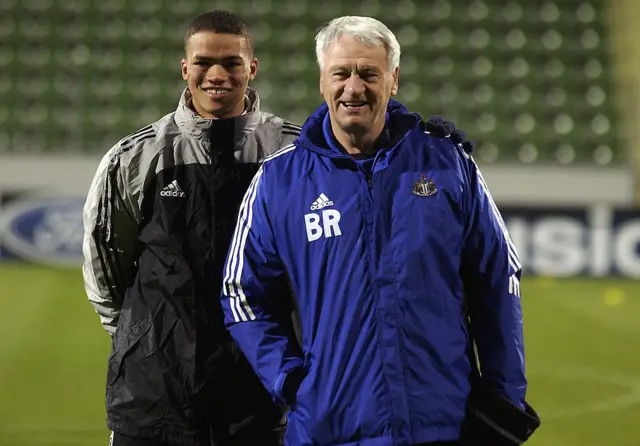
{"points": [[123, 345]]}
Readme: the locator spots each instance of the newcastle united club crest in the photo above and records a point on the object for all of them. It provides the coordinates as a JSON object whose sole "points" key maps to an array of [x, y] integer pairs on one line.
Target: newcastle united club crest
{"points": [[424, 187]]}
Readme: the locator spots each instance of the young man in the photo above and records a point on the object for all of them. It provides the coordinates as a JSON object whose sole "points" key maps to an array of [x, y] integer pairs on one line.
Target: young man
{"points": [[158, 219], [391, 242]]}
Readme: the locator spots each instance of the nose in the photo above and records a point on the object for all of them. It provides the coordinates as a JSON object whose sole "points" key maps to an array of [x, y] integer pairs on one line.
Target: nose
{"points": [[354, 85], [216, 73]]}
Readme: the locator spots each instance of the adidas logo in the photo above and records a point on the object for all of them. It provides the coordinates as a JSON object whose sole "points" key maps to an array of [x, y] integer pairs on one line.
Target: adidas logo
{"points": [[321, 202], [172, 190]]}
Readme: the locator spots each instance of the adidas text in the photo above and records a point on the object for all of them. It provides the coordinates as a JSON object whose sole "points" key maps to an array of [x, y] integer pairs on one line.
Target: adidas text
{"points": [[171, 193], [321, 202], [318, 206], [172, 190]]}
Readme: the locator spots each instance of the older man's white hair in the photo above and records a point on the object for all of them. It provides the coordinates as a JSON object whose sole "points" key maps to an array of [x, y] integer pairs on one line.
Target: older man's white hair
{"points": [[366, 30]]}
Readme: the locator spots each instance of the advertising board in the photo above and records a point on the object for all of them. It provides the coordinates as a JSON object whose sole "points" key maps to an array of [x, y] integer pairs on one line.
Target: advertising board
{"points": [[594, 241]]}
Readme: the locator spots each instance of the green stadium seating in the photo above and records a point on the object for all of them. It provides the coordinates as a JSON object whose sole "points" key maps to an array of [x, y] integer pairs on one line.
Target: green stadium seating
{"points": [[529, 81]]}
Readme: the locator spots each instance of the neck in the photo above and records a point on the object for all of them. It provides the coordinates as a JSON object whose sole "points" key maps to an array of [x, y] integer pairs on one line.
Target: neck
{"points": [[360, 142]]}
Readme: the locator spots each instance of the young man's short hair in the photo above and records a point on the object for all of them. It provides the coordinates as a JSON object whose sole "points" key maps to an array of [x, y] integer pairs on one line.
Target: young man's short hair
{"points": [[222, 22]]}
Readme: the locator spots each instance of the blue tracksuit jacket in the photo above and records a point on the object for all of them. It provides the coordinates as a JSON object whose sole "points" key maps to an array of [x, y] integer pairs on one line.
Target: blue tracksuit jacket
{"points": [[381, 265]]}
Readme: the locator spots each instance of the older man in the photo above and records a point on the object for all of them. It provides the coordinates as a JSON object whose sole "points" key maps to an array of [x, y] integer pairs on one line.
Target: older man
{"points": [[392, 243]]}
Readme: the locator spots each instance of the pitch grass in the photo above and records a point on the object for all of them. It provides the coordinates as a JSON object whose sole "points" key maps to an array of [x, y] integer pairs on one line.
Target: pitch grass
{"points": [[582, 340]]}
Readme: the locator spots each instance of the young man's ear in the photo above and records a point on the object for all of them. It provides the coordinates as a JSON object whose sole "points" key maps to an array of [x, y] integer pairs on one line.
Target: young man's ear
{"points": [[253, 69], [183, 68]]}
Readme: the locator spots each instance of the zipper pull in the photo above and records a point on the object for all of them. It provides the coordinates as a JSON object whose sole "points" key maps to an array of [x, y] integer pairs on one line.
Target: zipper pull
{"points": [[369, 173]]}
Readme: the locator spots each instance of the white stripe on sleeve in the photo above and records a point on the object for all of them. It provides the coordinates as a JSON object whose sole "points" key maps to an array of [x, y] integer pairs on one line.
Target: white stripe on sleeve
{"points": [[232, 286], [514, 261]]}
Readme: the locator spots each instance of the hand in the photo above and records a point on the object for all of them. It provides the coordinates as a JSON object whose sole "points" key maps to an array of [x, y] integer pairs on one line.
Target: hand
{"points": [[493, 420], [438, 126]]}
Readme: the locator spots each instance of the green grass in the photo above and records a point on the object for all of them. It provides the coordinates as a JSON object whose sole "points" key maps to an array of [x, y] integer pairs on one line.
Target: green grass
{"points": [[582, 338], [53, 359]]}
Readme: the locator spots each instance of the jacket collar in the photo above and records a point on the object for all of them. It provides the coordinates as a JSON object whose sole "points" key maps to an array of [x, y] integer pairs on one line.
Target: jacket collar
{"points": [[194, 125]]}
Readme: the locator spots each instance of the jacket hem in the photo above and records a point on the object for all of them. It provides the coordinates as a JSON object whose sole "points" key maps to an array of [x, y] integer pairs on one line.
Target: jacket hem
{"points": [[165, 435], [377, 441], [435, 434]]}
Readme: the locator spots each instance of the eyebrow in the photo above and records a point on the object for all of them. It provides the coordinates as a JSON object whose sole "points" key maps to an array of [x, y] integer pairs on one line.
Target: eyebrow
{"points": [[208, 58], [361, 69]]}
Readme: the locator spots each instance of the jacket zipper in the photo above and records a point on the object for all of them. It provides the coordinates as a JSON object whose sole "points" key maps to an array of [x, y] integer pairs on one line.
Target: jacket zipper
{"points": [[369, 219], [371, 211]]}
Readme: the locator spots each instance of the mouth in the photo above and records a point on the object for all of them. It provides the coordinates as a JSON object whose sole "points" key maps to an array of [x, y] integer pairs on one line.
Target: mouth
{"points": [[215, 92], [353, 106]]}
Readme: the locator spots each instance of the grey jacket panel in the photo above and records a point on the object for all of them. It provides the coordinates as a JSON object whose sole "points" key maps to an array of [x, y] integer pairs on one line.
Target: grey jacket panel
{"points": [[111, 216]]}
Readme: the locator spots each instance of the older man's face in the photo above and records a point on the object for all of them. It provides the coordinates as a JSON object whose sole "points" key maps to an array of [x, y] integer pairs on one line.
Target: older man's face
{"points": [[357, 83]]}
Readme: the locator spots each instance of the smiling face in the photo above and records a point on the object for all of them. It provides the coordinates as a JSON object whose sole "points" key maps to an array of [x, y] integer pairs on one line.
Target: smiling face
{"points": [[357, 83], [218, 68]]}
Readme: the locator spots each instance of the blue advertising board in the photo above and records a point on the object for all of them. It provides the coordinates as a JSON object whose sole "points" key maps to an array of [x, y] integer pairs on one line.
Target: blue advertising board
{"points": [[583, 241], [587, 241], [45, 231]]}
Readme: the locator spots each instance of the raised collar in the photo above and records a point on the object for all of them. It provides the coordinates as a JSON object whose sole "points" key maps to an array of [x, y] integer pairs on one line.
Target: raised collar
{"points": [[193, 124]]}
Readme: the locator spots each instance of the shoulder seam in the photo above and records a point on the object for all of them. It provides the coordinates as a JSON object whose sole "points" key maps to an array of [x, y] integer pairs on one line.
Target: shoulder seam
{"points": [[457, 146], [280, 152], [130, 141], [291, 125]]}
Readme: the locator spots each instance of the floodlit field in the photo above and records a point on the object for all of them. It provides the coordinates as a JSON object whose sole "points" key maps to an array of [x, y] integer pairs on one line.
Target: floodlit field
{"points": [[582, 344]]}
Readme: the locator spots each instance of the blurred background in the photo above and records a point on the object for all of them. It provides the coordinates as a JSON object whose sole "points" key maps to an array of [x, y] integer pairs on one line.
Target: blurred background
{"points": [[547, 89]]}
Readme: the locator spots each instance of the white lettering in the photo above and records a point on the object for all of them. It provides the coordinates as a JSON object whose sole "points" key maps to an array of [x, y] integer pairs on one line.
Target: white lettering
{"points": [[600, 223], [314, 231], [330, 225], [172, 193], [330, 220], [598, 244], [318, 206], [626, 249], [558, 246]]}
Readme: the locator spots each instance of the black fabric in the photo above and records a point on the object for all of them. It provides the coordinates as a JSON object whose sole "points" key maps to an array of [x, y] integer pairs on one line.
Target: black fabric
{"points": [[174, 374], [364, 155], [126, 440], [440, 443], [436, 125], [247, 436], [493, 420], [442, 128]]}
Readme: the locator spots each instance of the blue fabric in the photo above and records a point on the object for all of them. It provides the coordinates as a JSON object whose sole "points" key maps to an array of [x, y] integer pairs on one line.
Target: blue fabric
{"points": [[381, 276]]}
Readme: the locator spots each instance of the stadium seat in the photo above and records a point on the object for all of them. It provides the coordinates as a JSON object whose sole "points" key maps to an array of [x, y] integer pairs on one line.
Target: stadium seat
{"points": [[529, 81]]}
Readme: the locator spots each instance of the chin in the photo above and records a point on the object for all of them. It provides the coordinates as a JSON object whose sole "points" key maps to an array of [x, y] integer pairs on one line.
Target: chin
{"points": [[221, 114], [354, 127], [217, 107], [354, 121], [361, 118], [213, 112]]}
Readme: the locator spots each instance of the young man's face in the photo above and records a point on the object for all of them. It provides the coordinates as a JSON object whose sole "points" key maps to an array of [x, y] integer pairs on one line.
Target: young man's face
{"points": [[218, 68], [356, 83]]}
